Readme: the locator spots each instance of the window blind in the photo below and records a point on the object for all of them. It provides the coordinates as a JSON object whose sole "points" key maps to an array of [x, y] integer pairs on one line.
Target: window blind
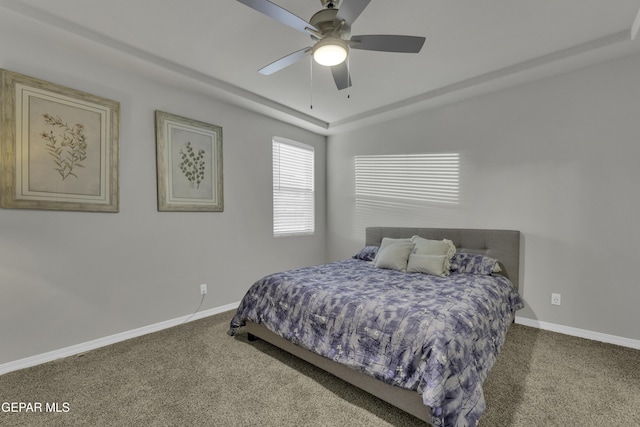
{"points": [[412, 177], [293, 188]]}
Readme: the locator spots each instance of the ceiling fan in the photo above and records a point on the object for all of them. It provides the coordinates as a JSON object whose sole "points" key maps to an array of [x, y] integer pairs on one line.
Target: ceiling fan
{"points": [[330, 29]]}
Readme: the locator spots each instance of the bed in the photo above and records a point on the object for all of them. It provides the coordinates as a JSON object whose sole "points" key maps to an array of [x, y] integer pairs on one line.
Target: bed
{"points": [[422, 342]]}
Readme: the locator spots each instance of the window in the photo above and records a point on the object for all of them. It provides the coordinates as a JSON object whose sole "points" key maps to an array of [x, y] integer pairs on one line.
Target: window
{"points": [[401, 189], [293, 188], [431, 178]]}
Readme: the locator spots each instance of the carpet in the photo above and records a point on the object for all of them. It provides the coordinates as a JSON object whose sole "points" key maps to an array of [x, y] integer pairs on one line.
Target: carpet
{"points": [[196, 375]]}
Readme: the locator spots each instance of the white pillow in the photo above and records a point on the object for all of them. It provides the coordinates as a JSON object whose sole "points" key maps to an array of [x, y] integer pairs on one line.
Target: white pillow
{"points": [[386, 241], [428, 264], [394, 256], [435, 247]]}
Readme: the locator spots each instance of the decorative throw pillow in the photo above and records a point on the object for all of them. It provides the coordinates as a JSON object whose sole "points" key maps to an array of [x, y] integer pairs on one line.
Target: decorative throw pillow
{"points": [[386, 241], [427, 264], [435, 247], [368, 253], [394, 256], [474, 264]]}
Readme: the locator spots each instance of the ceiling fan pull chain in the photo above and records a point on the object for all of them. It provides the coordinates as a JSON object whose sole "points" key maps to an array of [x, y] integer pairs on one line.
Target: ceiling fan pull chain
{"points": [[311, 82], [349, 77]]}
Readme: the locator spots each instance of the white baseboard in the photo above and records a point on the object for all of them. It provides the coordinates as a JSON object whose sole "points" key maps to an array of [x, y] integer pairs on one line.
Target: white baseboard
{"points": [[112, 339], [582, 333]]}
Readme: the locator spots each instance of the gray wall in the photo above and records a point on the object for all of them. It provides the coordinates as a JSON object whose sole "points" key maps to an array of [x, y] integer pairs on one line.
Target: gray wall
{"points": [[68, 278], [556, 159]]}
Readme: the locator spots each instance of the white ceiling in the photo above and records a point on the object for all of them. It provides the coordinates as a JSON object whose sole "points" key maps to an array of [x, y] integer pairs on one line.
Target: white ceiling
{"points": [[471, 47]]}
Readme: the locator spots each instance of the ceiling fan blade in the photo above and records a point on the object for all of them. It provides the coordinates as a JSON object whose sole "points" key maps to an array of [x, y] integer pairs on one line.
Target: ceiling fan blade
{"points": [[387, 43], [351, 9], [341, 75], [279, 14], [285, 61]]}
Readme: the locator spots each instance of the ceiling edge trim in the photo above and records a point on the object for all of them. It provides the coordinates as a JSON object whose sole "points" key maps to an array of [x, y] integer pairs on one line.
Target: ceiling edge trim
{"points": [[257, 103], [260, 103], [501, 73]]}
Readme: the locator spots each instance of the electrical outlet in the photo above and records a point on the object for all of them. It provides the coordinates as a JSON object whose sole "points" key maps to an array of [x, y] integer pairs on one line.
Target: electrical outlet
{"points": [[203, 289], [555, 299]]}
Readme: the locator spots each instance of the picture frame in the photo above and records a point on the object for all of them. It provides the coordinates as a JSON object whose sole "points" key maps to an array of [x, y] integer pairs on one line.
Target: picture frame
{"points": [[189, 164], [59, 147]]}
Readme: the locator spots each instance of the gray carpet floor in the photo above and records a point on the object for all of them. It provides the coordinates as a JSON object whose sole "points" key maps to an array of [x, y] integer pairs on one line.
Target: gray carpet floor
{"points": [[196, 375]]}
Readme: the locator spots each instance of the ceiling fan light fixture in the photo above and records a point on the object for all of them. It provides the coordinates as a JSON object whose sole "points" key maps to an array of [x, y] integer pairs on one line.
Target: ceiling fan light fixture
{"points": [[330, 51]]}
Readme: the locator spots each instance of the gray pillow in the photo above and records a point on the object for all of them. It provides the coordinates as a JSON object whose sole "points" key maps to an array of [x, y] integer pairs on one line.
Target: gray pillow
{"points": [[386, 241], [435, 247], [394, 256], [427, 264]]}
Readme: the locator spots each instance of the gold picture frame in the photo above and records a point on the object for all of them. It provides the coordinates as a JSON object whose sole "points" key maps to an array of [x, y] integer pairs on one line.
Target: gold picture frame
{"points": [[189, 164], [59, 147]]}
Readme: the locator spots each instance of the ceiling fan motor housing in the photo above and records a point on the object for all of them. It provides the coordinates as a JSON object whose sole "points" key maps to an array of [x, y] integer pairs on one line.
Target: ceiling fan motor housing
{"points": [[325, 21]]}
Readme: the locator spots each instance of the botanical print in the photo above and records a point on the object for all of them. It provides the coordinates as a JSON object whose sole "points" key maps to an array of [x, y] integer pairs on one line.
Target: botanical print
{"points": [[192, 165], [190, 175], [65, 152], [67, 146]]}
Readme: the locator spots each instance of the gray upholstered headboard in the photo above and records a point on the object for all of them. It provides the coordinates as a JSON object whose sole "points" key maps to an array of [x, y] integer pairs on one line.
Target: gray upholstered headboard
{"points": [[503, 245]]}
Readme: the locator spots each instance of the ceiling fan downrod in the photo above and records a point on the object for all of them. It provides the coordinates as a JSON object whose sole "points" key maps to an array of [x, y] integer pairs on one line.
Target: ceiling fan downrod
{"points": [[330, 4]]}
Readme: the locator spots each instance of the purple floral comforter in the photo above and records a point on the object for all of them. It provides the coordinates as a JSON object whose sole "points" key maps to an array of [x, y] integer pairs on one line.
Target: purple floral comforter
{"points": [[437, 335]]}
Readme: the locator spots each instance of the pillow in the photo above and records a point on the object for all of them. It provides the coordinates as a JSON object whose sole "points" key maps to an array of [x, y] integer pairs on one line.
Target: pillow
{"points": [[428, 264], [474, 264], [368, 253], [394, 256], [435, 247], [386, 241]]}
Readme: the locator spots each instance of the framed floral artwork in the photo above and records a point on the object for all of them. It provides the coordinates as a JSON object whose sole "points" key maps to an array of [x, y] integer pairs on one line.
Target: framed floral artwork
{"points": [[60, 147], [189, 164]]}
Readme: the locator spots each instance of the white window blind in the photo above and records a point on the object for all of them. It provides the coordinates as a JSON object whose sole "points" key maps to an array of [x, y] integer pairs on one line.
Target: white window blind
{"points": [[413, 177], [293, 188]]}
